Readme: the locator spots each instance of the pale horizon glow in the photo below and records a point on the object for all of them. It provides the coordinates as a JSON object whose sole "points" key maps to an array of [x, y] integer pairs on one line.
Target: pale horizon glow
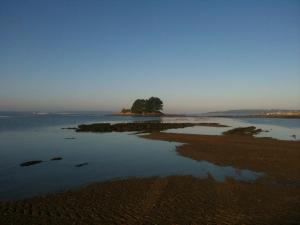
{"points": [[197, 56]]}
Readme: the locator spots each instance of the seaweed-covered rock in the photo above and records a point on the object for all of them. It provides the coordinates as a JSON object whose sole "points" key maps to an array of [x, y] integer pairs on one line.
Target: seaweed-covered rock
{"points": [[138, 126], [250, 131]]}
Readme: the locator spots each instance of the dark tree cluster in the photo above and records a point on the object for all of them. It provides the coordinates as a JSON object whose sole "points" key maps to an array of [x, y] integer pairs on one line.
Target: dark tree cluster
{"points": [[150, 105]]}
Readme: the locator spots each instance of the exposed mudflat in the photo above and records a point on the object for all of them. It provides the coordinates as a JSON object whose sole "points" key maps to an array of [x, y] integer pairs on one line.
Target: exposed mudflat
{"points": [[276, 158], [172, 200]]}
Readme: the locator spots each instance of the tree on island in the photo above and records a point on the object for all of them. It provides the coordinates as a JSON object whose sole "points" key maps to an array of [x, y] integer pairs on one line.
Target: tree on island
{"points": [[139, 106], [150, 105], [154, 104]]}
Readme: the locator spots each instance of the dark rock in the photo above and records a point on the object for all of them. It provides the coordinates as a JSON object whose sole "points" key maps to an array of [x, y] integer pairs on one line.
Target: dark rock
{"points": [[30, 163], [56, 158], [138, 126], [81, 164], [250, 131], [70, 138]]}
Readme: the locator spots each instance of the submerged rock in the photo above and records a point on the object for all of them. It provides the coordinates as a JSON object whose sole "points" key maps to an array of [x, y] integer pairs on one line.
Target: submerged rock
{"points": [[81, 164], [70, 138], [56, 158], [30, 163]]}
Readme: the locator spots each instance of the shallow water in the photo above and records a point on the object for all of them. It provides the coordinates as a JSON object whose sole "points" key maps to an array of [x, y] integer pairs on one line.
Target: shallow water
{"points": [[282, 129], [109, 155]]}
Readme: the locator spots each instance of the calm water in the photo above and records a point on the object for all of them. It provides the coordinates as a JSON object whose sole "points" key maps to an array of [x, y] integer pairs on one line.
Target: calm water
{"points": [[25, 137], [282, 129]]}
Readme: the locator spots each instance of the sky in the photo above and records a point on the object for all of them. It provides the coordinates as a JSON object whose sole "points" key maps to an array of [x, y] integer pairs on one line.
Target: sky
{"points": [[197, 56]]}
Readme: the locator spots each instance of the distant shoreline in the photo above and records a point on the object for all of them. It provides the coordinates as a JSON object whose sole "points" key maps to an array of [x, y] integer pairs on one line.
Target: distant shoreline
{"points": [[261, 116], [283, 116]]}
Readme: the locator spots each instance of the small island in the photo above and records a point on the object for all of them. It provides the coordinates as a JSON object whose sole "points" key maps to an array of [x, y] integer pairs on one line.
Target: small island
{"points": [[144, 107]]}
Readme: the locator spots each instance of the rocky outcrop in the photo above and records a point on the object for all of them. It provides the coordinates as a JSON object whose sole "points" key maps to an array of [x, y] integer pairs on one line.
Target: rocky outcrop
{"points": [[250, 131], [138, 126]]}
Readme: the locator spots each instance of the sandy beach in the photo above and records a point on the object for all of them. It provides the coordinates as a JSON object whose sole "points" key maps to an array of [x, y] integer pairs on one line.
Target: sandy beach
{"points": [[272, 199]]}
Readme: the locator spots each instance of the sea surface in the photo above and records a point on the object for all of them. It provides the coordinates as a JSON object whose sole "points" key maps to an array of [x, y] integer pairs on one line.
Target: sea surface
{"points": [[106, 156]]}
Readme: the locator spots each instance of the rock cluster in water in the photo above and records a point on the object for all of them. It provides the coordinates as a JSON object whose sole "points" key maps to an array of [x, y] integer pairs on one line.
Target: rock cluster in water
{"points": [[138, 126], [34, 162], [250, 131]]}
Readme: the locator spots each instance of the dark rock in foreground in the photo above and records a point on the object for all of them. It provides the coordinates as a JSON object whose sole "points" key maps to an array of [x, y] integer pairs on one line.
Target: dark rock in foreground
{"points": [[250, 131], [30, 163], [139, 126]]}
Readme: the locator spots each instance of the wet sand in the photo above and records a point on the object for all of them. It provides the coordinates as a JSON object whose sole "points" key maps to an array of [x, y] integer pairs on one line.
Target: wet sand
{"points": [[276, 158], [272, 199]]}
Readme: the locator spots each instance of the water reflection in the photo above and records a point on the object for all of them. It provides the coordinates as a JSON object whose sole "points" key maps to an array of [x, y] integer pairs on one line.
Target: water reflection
{"points": [[105, 156], [276, 128]]}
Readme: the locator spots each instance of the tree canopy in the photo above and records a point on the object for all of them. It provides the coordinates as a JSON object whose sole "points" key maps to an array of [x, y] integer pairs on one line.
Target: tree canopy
{"points": [[150, 105], [139, 106]]}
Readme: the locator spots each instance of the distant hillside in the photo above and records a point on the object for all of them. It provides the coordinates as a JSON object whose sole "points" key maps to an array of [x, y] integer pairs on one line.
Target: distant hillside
{"points": [[251, 112]]}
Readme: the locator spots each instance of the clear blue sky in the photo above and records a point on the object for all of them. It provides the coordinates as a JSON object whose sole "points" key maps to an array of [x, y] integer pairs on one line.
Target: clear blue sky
{"points": [[196, 55]]}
